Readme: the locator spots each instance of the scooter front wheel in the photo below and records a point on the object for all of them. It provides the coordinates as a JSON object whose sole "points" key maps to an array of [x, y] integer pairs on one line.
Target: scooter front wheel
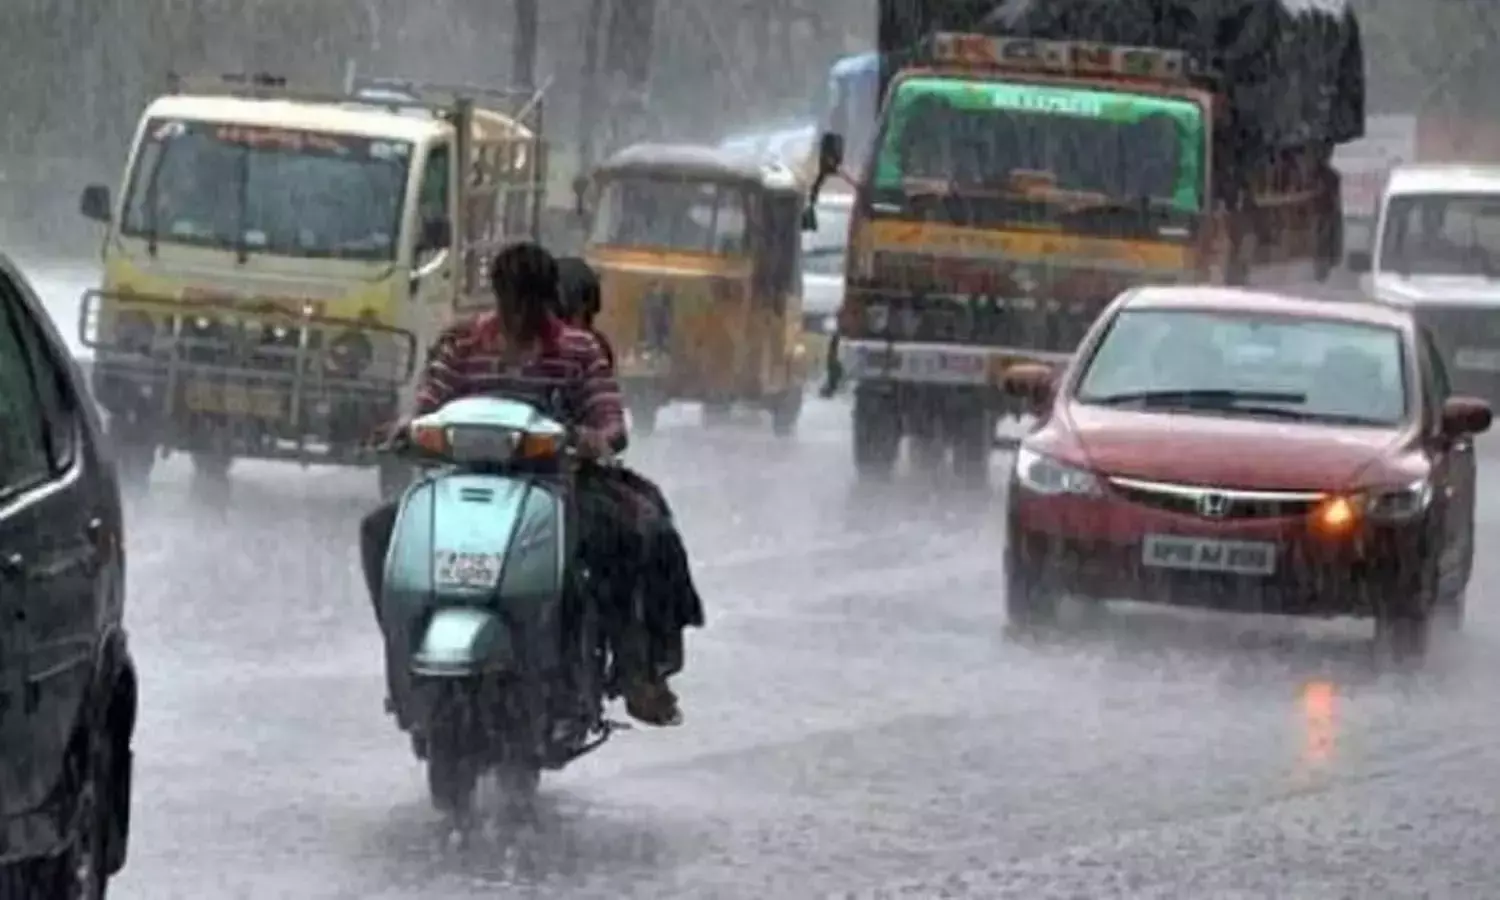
{"points": [[451, 778]]}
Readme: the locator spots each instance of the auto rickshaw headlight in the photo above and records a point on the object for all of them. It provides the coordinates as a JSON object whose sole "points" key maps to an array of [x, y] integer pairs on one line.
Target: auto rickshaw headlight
{"points": [[349, 354]]}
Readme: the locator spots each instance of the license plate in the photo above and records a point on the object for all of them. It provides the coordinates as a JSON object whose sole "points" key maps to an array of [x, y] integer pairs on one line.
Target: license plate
{"points": [[1477, 359], [453, 568], [232, 400], [1204, 555], [946, 365]]}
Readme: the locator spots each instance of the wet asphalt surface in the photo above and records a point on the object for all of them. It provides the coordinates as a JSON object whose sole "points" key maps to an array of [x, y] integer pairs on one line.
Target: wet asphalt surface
{"points": [[857, 724]]}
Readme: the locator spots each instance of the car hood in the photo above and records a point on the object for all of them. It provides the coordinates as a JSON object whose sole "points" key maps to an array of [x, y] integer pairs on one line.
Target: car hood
{"points": [[1451, 289], [1225, 452]]}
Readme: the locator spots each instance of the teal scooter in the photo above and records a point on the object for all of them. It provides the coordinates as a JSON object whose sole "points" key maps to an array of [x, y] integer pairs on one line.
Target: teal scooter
{"points": [[495, 653]]}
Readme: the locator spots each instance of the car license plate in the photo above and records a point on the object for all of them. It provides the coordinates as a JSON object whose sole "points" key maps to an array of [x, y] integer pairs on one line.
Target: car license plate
{"points": [[936, 365], [452, 568], [1477, 359], [1204, 555], [232, 400]]}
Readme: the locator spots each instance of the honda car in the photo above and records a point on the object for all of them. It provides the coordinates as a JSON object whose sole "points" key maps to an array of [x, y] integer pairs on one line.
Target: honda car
{"points": [[1250, 452]]}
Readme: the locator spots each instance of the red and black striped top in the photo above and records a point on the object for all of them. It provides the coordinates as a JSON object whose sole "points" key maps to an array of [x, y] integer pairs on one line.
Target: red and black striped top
{"points": [[470, 357]]}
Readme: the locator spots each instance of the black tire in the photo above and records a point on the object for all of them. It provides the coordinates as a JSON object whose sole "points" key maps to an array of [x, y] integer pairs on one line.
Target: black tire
{"points": [[786, 410], [135, 453], [1403, 623], [1030, 608], [877, 437], [518, 783], [452, 775], [973, 438]]}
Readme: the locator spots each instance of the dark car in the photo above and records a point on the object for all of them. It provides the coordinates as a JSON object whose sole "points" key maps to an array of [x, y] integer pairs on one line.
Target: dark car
{"points": [[1249, 452], [67, 683]]}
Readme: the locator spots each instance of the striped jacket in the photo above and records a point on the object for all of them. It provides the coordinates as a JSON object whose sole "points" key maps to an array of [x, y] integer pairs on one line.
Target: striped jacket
{"points": [[571, 376]]}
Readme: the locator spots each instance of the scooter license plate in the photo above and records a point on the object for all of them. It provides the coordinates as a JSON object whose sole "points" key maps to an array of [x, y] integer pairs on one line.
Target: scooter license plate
{"points": [[452, 568]]}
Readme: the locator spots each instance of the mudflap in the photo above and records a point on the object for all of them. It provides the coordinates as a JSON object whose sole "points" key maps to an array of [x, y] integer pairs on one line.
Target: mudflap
{"points": [[464, 642]]}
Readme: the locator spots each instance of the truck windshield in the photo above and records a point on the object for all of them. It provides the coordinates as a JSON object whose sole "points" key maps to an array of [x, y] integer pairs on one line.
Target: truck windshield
{"points": [[672, 214], [1442, 234], [970, 138], [273, 191]]}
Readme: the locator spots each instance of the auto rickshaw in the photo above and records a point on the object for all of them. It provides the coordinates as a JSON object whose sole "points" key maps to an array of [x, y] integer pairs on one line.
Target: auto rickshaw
{"points": [[698, 251]]}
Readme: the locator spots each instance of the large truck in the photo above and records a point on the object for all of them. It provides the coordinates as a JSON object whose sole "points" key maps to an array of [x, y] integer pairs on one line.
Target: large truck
{"points": [[1034, 160]]}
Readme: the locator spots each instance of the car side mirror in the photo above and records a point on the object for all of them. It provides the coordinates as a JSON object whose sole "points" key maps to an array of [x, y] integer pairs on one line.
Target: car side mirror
{"points": [[830, 154], [1359, 261], [437, 234], [95, 204], [1034, 383], [1466, 416]]}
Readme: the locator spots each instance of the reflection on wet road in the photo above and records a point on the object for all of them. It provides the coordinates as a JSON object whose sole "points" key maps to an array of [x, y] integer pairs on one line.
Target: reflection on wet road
{"points": [[856, 723]]}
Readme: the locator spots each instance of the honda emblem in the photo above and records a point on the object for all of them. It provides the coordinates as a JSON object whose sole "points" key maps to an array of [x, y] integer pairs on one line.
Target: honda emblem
{"points": [[1213, 506]]}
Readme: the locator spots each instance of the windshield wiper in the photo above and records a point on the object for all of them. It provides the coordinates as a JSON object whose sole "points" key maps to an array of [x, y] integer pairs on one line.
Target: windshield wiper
{"points": [[1251, 402]]}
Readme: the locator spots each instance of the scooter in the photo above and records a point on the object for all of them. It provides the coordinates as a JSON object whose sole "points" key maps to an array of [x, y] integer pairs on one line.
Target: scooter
{"points": [[495, 654]]}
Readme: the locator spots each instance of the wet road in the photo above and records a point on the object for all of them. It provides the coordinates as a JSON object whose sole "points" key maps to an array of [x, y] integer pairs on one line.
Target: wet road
{"points": [[857, 725]]}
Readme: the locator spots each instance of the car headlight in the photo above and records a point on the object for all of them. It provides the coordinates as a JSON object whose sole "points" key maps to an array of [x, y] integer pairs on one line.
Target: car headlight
{"points": [[1044, 475], [1398, 504]]}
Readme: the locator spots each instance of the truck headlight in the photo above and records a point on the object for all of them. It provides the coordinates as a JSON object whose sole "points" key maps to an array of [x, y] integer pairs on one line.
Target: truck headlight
{"points": [[1041, 474]]}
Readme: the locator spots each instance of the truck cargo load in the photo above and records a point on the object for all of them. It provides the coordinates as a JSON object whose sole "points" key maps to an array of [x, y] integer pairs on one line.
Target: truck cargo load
{"points": [[1293, 70]]}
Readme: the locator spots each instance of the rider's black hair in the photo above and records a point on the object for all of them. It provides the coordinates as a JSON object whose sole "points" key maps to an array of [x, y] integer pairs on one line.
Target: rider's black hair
{"points": [[579, 290], [525, 281]]}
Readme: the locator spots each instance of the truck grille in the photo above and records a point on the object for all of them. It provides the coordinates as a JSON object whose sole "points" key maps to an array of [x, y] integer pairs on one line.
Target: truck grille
{"points": [[1039, 324]]}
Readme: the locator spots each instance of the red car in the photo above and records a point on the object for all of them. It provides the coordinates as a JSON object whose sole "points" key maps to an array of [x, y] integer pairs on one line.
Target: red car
{"points": [[1252, 452]]}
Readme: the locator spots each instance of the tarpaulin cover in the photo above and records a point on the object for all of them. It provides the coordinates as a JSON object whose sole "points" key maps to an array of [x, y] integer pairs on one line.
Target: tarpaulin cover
{"points": [[1293, 69]]}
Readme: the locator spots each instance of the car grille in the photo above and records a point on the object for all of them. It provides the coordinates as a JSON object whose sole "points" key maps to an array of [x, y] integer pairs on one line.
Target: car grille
{"points": [[1039, 324], [1215, 503]]}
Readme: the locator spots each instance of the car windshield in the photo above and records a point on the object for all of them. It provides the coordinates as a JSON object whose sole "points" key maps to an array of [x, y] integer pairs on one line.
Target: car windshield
{"points": [[984, 136], [672, 214], [268, 190], [1244, 364], [1443, 234]]}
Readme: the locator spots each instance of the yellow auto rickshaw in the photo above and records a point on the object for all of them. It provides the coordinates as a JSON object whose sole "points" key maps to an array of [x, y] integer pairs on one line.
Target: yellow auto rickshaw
{"points": [[698, 252]]}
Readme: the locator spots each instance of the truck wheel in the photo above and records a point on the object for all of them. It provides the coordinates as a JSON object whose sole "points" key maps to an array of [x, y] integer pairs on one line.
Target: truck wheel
{"points": [[786, 409], [135, 453], [877, 436], [973, 437]]}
